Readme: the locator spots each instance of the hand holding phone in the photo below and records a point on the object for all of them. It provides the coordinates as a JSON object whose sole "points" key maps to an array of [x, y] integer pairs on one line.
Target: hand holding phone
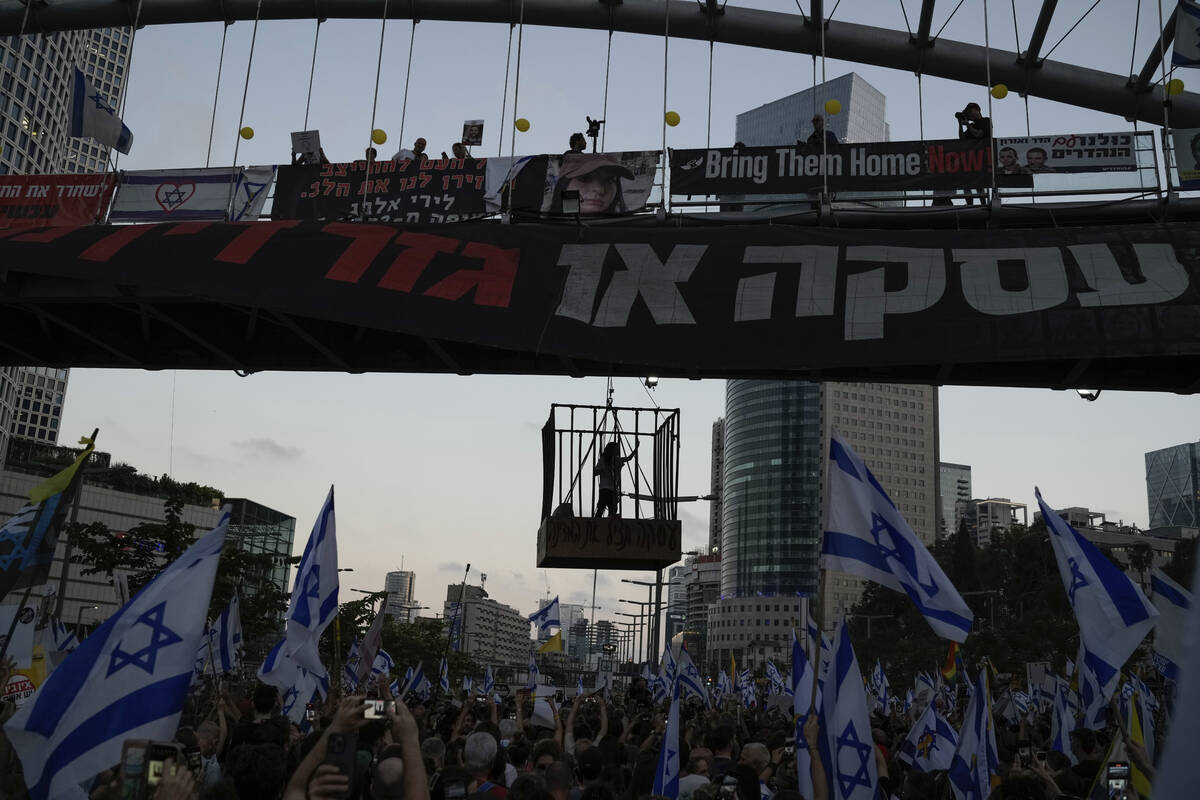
{"points": [[339, 754]]}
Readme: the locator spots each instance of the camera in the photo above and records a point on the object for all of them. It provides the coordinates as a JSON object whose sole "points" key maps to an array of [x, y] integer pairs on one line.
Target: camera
{"points": [[961, 116], [593, 129], [378, 709]]}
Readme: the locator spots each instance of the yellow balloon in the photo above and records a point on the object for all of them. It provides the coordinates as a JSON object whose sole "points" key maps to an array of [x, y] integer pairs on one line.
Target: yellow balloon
{"points": [[672, 118], [247, 132], [1174, 87], [833, 107], [522, 124], [378, 136], [999, 91]]}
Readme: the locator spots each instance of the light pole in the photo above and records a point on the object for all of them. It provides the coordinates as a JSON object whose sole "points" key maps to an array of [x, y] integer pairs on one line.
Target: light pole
{"points": [[991, 604], [637, 627], [644, 609], [79, 618], [869, 617], [654, 595]]}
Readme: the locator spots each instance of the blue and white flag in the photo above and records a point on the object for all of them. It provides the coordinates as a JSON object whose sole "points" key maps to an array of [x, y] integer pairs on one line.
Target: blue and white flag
{"points": [[722, 686], [930, 744], [350, 670], [546, 617], [846, 742], [775, 679], [908, 700], [489, 681], [880, 687], [1177, 768], [1062, 722], [384, 664], [226, 637], [92, 117], [1172, 602], [468, 683], [414, 679], [868, 537], [579, 686], [127, 680], [444, 679], [1186, 52], [749, 692], [976, 759], [64, 641], [182, 195], [315, 593], [666, 774], [691, 684], [668, 672], [802, 705], [1113, 614], [531, 685], [296, 683]]}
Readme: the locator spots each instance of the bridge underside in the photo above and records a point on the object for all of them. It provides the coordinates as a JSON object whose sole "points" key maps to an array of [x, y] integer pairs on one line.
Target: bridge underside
{"points": [[1114, 307]]}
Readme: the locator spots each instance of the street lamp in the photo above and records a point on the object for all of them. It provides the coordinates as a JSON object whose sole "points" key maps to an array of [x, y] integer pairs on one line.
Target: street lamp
{"points": [[79, 617], [637, 627], [869, 617], [654, 595], [991, 605], [643, 609]]}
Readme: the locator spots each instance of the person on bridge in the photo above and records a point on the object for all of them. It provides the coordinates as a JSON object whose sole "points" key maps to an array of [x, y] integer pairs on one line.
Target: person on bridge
{"points": [[608, 468], [416, 154], [972, 124], [578, 144], [821, 137]]}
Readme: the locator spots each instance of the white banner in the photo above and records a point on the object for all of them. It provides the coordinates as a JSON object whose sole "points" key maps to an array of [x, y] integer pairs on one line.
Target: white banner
{"points": [[179, 195], [1072, 152]]}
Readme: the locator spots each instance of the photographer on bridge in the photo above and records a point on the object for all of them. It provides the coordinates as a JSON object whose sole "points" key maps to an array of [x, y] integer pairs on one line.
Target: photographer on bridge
{"points": [[972, 124]]}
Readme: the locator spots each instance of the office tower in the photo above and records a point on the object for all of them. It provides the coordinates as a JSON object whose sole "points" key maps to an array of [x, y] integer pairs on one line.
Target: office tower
{"points": [[788, 119], [995, 515], [36, 77], [31, 404], [954, 485], [1173, 486], [401, 602], [715, 478]]}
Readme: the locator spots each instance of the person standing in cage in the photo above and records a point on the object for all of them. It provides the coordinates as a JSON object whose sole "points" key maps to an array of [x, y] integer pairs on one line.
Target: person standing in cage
{"points": [[608, 468]]}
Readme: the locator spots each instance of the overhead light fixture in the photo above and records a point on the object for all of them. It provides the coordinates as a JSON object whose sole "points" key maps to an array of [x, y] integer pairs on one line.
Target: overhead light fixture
{"points": [[570, 202], [1088, 394], [651, 382]]}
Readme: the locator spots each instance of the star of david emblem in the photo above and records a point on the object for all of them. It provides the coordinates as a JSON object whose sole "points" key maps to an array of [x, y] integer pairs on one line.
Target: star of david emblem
{"points": [[1077, 579], [101, 103], [891, 547], [160, 636], [312, 582], [174, 197], [252, 191], [289, 699], [860, 752]]}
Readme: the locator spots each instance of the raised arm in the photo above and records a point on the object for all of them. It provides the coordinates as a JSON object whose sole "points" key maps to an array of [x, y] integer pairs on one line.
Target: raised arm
{"points": [[404, 732]]}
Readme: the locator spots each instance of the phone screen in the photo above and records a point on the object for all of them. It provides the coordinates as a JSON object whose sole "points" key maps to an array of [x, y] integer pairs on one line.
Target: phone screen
{"points": [[1118, 778], [377, 709]]}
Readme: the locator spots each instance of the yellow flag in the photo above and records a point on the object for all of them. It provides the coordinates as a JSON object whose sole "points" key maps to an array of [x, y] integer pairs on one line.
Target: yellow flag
{"points": [[553, 645], [58, 483], [1140, 782]]}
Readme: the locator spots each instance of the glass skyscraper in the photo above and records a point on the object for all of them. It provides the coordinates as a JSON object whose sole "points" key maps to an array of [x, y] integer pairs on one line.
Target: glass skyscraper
{"points": [[771, 492], [1173, 486]]}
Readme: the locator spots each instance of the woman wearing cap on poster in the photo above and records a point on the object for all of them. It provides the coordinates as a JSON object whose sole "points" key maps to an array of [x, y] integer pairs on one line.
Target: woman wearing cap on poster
{"points": [[597, 178]]}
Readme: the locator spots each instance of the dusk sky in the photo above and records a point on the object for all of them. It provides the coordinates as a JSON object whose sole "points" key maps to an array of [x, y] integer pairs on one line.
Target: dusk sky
{"points": [[432, 471]]}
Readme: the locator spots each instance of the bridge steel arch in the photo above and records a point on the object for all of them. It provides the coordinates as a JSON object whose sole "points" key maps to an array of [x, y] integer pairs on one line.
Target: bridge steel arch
{"points": [[960, 61]]}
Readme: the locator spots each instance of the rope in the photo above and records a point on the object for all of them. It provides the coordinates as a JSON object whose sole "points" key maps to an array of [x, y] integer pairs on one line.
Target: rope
{"points": [[1073, 27], [242, 115], [607, 64], [1137, 16], [987, 56], [212, 125], [708, 124], [666, 50], [905, 13], [824, 137], [374, 108], [947, 22], [512, 150], [1162, 61], [137, 16], [504, 94], [313, 71], [412, 38], [1017, 48]]}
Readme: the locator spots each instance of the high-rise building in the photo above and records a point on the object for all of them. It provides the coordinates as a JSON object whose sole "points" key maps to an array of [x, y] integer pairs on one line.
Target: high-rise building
{"points": [[31, 404], [401, 602], [863, 117], [985, 518], [716, 476], [9, 400], [954, 485], [703, 587], [36, 77], [1173, 486], [254, 528], [490, 632]]}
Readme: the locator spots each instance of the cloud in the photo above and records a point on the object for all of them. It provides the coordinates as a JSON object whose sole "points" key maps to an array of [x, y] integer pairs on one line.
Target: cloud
{"points": [[267, 447]]}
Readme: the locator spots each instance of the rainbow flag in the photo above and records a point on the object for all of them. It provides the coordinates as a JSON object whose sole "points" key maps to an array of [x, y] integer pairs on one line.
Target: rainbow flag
{"points": [[950, 668]]}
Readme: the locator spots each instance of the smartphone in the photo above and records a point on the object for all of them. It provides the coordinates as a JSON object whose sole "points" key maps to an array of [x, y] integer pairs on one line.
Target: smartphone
{"points": [[1118, 778], [194, 761], [455, 790], [339, 752], [157, 755], [378, 709], [1024, 751], [133, 767], [310, 713]]}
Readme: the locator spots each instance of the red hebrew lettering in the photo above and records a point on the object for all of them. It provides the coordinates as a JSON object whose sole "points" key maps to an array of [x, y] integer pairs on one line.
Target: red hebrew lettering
{"points": [[112, 244], [367, 242], [326, 171], [425, 179], [343, 190], [492, 284], [409, 265], [251, 240], [327, 187], [47, 235]]}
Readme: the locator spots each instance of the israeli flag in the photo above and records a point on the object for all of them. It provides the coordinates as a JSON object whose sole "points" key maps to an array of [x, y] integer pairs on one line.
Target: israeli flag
{"points": [[226, 637], [533, 673], [383, 664], [775, 679], [666, 774], [691, 684], [1061, 724], [489, 681], [350, 670], [846, 743], [1186, 51], [1172, 602], [579, 686], [908, 700], [413, 679], [879, 683], [444, 680], [468, 684], [315, 593], [930, 744], [1177, 767], [668, 671], [64, 641], [394, 686], [924, 689], [296, 683], [127, 680], [1113, 614], [867, 536], [802, 705], [976, 759], [722, 686], [92, 116], [749, 694], [547, 617]]}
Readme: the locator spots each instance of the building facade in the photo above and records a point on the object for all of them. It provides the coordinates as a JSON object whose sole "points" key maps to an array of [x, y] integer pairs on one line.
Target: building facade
{"points": [[986, 518], [716, 477], [1173, 486], [401, 602], [703, 587], [488, 631], [36, 78], [863, 117], [954, 486], [255, 528], [31, 404]]}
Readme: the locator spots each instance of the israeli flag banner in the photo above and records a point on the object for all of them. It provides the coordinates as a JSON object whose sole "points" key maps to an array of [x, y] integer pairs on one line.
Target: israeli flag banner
{"points": [[976, 759], [688, 676], [666, 774], [846, 743], [314, 601], [930, 744], [444, 679], [531, 685], [1186, 51], [802, 706], [489, 681], [1061, 725], [546, 617], [383, 663], [92, 117], [1113, 614], [127, 680], [866, 535], [226, 636], [1172, 602]]}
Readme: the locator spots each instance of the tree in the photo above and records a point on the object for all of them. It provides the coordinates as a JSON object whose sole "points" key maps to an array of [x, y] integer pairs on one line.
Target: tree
{"points": [[1182, 565], [1141, 558], [146, 549]]}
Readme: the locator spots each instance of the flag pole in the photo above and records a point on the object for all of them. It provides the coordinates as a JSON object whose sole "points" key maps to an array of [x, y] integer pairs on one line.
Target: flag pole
{"points": [[62, 580], [458, 614]]}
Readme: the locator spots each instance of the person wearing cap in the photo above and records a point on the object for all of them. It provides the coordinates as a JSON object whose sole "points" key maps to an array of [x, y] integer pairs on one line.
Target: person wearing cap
{"points": [[821, 136], [597, 178]]}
